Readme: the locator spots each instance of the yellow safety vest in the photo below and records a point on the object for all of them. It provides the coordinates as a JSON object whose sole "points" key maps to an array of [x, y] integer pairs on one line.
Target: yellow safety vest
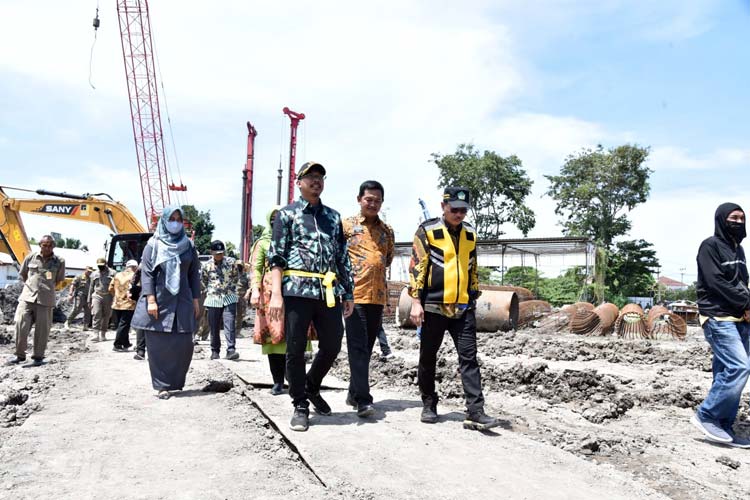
{"points": [[448, 275]]}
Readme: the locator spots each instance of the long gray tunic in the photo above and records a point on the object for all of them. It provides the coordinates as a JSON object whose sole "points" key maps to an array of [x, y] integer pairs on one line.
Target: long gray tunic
{"points": [[172, 308]]}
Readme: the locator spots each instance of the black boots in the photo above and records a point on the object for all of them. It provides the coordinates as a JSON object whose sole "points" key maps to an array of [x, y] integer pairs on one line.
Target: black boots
{"points": [[479, 421], [429, 409]]}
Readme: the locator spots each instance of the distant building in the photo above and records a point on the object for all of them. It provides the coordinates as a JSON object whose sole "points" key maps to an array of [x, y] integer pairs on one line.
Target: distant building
{"points": [[671, 284], [75, 262], [8, 270]]}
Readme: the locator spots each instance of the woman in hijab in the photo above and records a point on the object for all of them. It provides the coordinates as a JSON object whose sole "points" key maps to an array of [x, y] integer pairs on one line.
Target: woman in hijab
{"points": [[169, 303], [269, 333]]}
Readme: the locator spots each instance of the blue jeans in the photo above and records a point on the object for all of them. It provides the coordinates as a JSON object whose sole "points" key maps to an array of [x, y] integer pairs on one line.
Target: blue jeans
{"points": [[731, 367]]}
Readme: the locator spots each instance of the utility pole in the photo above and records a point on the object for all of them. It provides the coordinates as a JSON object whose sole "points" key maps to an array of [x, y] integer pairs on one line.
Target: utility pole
{"points": [[682, 274], [658, 286]]}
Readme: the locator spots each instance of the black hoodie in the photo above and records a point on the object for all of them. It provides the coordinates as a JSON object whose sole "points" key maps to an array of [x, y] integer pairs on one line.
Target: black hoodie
{"points": [[722, 271]]}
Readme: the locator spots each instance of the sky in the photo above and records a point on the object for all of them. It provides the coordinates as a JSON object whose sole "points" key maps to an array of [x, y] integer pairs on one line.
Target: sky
{"points": [[383, 85]]}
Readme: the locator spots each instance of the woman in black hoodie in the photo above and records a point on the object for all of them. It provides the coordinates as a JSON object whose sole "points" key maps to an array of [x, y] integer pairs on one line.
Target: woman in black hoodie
{"points": [[724, 305]]}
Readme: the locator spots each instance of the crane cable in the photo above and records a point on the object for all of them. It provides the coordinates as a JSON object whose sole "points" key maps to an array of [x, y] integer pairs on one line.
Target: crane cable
{"points": [[91, 55], [181, 195]]}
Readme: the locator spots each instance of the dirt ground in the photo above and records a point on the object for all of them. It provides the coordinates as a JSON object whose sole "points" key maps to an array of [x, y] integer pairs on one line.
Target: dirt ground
{"points": [[86, 424]]}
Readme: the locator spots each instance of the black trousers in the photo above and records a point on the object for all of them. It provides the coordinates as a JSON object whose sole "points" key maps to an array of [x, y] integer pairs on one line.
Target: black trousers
{"points": [[298, 313], [140, 342], [362, 329], [277, 363], [463, 330], [123, 317]]}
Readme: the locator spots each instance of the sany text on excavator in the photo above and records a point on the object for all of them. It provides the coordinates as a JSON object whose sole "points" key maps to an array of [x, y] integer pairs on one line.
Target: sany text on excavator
{"points": [[128, 238]]}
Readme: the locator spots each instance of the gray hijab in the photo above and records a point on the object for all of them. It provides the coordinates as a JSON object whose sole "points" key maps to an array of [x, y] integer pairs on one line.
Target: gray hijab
{"points": [[167, 249]]}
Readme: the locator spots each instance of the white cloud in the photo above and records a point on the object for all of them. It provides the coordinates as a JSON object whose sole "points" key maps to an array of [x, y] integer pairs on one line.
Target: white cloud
{"points": [[678, 158]]}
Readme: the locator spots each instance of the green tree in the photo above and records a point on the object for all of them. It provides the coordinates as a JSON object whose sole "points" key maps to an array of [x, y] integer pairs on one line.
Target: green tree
{"points": [[688, 294], [61, 242], [630, 270], [72, 243], [524, 276], [484, 275], [498, 188], [568, 288], [596, 189], [257, 231], [203, 228], [231, 250]]}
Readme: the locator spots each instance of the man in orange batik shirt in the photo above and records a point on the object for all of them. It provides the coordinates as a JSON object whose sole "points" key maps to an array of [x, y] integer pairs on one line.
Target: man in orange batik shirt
{"points": [[370, 244]]}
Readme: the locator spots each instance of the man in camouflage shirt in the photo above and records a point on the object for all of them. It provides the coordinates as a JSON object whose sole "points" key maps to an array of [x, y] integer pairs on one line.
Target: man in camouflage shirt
{"points": [[40, 272], [220, 279], [312, 281], [79, 295]]}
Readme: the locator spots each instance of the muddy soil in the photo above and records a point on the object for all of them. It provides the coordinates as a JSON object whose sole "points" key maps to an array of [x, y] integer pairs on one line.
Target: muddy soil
{"points": [[621, 403], [608, 400], [100, 432]]}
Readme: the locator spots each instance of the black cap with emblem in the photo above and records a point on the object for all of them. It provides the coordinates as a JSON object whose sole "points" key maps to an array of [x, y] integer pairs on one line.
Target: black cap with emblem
{"points": [[309, 167], [457, 197], [217, 246]]}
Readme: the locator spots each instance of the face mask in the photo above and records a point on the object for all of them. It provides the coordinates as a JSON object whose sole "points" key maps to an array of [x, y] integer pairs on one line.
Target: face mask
{"points": [[174, 226], [736, 229], [102, 268]]}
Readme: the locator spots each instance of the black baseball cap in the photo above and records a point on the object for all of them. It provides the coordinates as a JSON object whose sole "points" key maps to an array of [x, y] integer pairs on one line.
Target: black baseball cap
{"points": [[217, 246], [309, 167], [457, 197]]}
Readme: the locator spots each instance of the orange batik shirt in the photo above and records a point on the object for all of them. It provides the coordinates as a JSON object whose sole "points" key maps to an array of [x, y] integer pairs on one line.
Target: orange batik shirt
{"points": [[370, 246]]}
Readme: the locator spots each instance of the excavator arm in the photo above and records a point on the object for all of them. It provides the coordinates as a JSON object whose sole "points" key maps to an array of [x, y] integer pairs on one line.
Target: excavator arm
{"points": [[83, 208]]}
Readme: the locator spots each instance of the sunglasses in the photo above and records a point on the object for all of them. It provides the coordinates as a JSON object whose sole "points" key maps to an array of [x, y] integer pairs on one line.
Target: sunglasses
{"points": [[459, 210], [313, 178]]}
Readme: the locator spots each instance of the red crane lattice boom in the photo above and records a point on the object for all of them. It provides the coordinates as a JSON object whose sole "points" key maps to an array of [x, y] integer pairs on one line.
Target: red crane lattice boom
{"points": [[140, 72], [295, 119]]}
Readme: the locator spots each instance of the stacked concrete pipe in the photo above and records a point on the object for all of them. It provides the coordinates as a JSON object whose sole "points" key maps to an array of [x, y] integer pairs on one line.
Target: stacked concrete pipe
{"points": [[495, 310]]}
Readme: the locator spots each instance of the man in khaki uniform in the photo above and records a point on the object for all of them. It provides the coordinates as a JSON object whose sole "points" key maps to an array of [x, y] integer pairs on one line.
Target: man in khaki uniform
{"points": [[79, 295], [100, 299], [41, 271]]}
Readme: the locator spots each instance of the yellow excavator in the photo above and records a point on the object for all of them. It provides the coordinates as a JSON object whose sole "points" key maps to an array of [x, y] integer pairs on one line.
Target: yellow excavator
{"points": [[128, 238]]}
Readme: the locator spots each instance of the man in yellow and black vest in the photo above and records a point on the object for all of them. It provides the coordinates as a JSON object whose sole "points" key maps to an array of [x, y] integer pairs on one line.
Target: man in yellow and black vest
{"points": [[444, 287]]}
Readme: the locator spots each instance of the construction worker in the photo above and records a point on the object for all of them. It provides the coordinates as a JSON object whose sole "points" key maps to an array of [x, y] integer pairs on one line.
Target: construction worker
{"points": [[122, 305], [311, 281], [370, 244], [100, 299], [444, 287], [78, 294], [40, 272], [219, 277]]}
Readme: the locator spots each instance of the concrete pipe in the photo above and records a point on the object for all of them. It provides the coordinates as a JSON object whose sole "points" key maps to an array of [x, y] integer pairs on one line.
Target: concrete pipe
{"points": [[495, 311], [631, 323], [596, 322], [663, 324], [532, 310], [522, 293]]}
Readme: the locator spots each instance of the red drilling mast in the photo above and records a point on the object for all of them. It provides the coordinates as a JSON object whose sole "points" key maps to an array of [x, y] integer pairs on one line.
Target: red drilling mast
{"points": [[295, 119], [246, 234], [140, 72]]}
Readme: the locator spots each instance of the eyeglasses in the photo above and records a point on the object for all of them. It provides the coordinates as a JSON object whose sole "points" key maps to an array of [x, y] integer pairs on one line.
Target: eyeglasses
{"points": [[459, 210], [318, 178]]}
